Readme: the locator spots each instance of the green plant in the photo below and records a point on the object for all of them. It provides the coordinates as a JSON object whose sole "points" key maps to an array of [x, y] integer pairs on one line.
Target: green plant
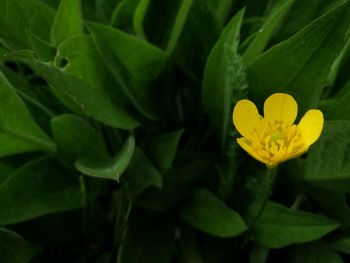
{"points": [[116, 137]]}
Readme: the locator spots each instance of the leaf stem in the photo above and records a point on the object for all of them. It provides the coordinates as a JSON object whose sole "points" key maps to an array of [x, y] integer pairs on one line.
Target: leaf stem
{"points": [[267, 191]]}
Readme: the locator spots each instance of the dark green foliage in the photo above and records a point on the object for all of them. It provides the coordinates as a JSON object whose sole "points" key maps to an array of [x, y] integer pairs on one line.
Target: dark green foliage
{"points": [[116, 139]]}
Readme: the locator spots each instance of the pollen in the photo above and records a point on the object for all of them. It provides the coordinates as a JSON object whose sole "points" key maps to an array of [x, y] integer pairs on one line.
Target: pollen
{"points": [[273, 140]]}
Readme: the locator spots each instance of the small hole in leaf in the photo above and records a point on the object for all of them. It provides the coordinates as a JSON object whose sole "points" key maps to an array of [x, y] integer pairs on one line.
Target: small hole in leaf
{"points": [[63, 62]]}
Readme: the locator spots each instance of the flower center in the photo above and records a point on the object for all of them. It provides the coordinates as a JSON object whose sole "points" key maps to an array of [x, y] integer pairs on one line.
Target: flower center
{"points": [[275, 140]]}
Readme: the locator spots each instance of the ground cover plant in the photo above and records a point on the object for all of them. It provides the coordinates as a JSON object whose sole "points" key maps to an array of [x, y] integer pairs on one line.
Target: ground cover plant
{"points": [[119, 122]]}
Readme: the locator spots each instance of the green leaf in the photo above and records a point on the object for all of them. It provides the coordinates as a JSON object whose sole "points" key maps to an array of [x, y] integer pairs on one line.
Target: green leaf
{"points": [[108, 168], [279, 226], [79, 94], [38, 188], [123, 15], [189, 172], [180, 21], [302, 13], [18, 16], [14, 249], [331, 203], [191, 252], [328, 161], [342, 245], [300, 65], [340, 109], [339, 63], [163, 149], [313, 252], [149, 239], [222, 9], [133, 62], [224, 78], [5, 170], [210, 215], [86, 64], [33, 95], [43, 50], [68, 21], [139, 18], [76, 138], [18, 131], [259, 254], [141, 173], [273, 21]]}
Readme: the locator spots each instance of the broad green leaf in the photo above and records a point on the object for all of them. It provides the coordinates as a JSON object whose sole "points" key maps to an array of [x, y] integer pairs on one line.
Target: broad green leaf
{"points": [[328, 161], [280, 226], [86, 64], [133, 62], [300, 65], [224, 79], [149, 239], [313, 252], [83, 62], [108, 168], [76, 138], [141, 173], [38, 188], [14, 249], [273, 20], [163, 149], [179, 23], [68, 21], [210, 215], [79, 94], [18, 131], [18, 16]]}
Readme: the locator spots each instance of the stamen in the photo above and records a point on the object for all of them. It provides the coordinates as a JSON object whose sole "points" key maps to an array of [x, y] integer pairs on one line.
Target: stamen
{"points": [[274, 140]]}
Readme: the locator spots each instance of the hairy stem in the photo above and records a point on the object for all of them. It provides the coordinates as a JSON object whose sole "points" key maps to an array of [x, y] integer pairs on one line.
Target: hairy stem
{"points": [[268, 184]]}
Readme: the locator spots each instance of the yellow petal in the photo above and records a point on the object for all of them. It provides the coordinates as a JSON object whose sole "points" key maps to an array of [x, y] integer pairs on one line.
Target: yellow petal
{"points": [[245, 117], [281, 107], [293, 155], [243, 143], [311, 126]]}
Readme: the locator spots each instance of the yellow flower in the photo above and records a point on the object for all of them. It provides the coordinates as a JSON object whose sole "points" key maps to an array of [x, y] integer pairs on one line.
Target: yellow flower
{"points": [[274, 138]]}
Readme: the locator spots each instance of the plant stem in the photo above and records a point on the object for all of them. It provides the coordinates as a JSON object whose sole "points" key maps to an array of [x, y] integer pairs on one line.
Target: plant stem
{"points": [[268, 183]]}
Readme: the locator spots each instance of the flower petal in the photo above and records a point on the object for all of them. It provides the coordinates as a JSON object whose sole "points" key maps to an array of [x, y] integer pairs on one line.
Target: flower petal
{"points": [[245, 117], [311, 126], [293, 155], [243, 143], [281, 107]]}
